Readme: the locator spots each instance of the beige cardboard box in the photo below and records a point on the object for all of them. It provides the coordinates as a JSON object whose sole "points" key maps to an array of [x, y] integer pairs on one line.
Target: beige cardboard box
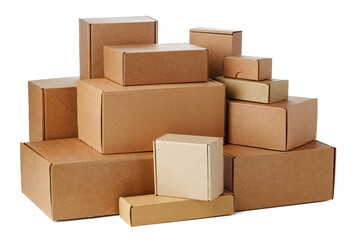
{"points": [[280, 126], [97, 32], [115, 119], [67, 179], [266, 91], [220, 43], [246, 67], [189, 166], [151, 209], [155, 63], [52, 109], [261, 178]]}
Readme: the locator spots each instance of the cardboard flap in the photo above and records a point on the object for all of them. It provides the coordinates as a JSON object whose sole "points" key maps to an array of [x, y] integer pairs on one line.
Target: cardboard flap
{"points": [[214, 31]]}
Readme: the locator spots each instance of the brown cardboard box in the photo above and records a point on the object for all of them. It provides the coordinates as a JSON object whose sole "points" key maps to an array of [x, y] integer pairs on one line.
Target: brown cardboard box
{"points": [[151, 209], [280, 126], [220, 43], [117, 119], [97, 32], [67, 179], [246, 67], [189, 166], [155, 63], [266, 91], [261, 178], [52, 109]]}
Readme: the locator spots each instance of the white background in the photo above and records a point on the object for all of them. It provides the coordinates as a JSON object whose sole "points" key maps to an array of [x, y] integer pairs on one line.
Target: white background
{"points": [[314, 44]]}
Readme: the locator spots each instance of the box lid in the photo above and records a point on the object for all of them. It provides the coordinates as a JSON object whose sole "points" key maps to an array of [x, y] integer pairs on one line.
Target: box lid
{"points": [[291, 101], [246, 57], [166, 47], [56, 82], [110, 20], [192, 139], [214, 31]]}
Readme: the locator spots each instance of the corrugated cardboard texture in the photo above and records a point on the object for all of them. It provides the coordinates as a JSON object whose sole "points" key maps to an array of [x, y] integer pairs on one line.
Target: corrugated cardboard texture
{"points": [[264, 178], [155, 63], [246, 67], [151, 209], [280, 126], [94, 33], [266, 91], [69, 180], [52, 109], [133, 116], [189, 166], [220, 43]]}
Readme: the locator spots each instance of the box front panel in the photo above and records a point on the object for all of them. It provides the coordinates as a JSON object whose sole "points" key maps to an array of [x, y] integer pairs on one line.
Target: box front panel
{"points": [[241, 68]]}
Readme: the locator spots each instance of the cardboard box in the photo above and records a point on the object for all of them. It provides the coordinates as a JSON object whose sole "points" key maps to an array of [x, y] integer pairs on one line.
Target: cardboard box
{"points": [[117, 119], [52, 108], [246, 67], [189, 166], [220, 43], [280, 126], [67, 179], [155, 63], [97, 32], [266, 91], [261, 178], [151, 209]]}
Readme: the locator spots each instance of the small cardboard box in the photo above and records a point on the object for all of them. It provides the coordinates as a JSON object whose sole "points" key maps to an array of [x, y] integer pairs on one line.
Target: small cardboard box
{"points": [[266, 91], [97, 32], [280, 126], [220, 43], [116, 119], [155, 63], [246, 67], [151, 209], [189, 166], [52, 109], [261, 178], [68, 180]]}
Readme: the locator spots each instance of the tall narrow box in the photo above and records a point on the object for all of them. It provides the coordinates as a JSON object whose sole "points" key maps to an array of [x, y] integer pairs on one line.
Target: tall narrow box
{"points": [[52, 109], [97, 32], [220, 43], [280, 126], [188, 166], [261, 178]]}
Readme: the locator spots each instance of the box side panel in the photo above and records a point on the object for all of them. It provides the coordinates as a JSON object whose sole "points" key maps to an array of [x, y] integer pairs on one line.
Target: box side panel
{"points": [[84, 49], [125, 210], [228, 172], [113, 65], [36, 113], [279, 91], [216, 169], [237, 43], [265, 68]]}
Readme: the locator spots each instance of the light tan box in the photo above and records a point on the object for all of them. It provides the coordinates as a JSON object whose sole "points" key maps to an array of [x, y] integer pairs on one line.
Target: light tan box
{"points": [[52, 108], [261, 178], [246, 67], [280, 126], [67, 179], [116, 119], [155, 63], [151, 209], [94, 33], [220, 43], [266, 91], [189, 166]]}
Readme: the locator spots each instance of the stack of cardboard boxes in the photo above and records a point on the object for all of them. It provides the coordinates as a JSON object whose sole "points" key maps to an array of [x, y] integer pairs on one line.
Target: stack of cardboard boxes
{"points": [[100, 130]]}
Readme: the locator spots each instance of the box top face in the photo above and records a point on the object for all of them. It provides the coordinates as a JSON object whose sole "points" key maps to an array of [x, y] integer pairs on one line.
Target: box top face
{"points": [[214, 31], [73, 150], [56, 82], [266, 82], [166, 47], [191, 139], [118, 20], [291, 101], [247, 57]]}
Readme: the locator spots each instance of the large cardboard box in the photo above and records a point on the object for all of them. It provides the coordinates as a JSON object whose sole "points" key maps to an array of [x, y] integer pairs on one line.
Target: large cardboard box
{"points": [[280, 126], [151, 209], [266, 91], [261, 178], [189, 166], [94, 33], [116, 119], [155, 63], [246, 67], [220, 43], [67, 179], [52, 108]]}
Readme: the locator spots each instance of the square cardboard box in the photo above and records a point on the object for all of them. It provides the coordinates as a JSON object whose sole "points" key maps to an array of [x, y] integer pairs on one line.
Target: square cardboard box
{"points": [[188, 166]]}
